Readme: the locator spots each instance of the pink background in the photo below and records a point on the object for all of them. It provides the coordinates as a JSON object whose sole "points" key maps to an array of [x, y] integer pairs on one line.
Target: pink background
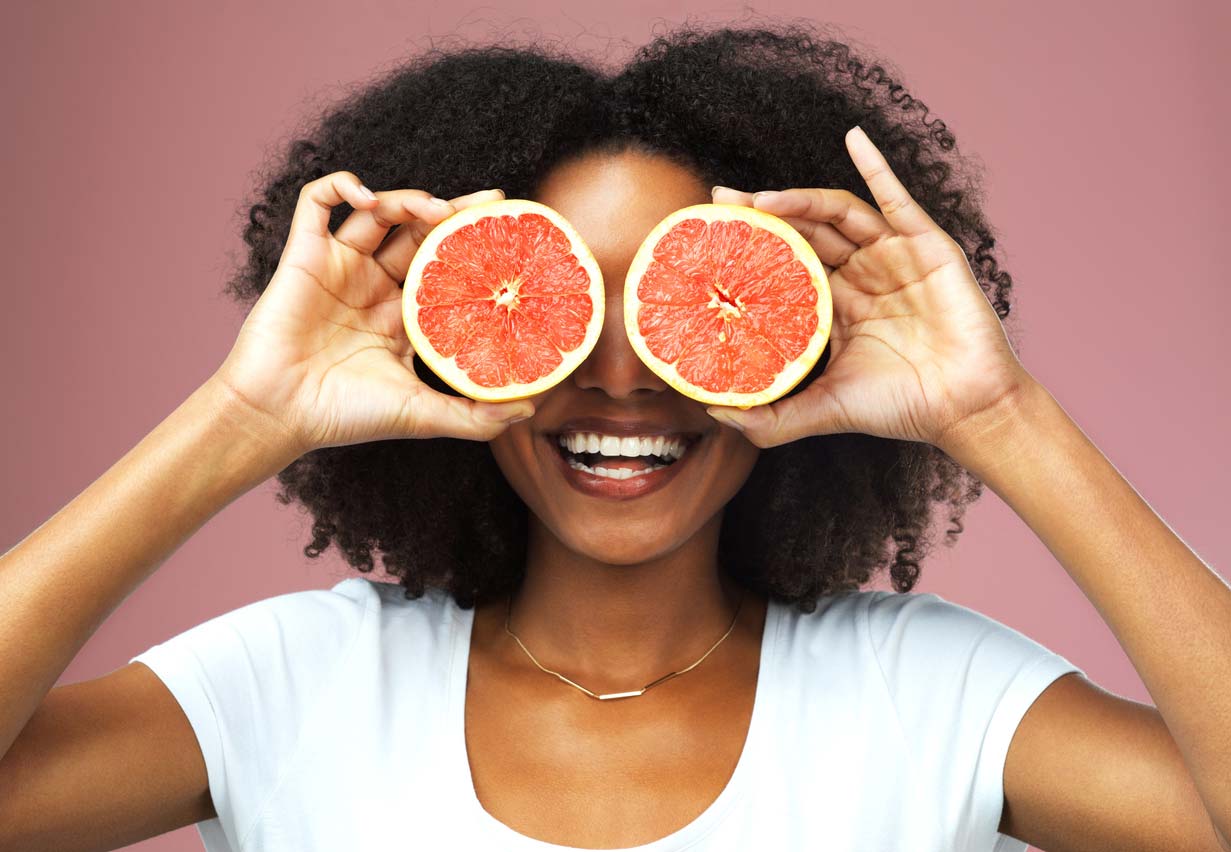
{"points": [[134, 127]]}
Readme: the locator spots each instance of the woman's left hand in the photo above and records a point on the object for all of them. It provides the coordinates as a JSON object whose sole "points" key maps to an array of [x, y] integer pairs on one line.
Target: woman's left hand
{"points": [[917, 351]]}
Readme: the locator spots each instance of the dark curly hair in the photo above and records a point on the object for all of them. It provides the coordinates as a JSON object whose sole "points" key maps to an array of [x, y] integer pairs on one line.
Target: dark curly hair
{"points": [[754, 108]]}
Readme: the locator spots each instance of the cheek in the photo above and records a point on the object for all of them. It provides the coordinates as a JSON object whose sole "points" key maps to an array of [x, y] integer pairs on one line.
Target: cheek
{"points": [[514, 448], [514, 452], [734, 456], [506, 450]]}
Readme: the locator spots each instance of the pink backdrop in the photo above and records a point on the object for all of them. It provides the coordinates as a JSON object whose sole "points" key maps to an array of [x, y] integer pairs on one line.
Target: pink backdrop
{"points": [[134, 127]]}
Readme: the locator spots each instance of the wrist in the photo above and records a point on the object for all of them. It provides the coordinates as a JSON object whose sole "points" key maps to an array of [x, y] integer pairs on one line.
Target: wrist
{"points": [[270, 443], [1002, 431]]}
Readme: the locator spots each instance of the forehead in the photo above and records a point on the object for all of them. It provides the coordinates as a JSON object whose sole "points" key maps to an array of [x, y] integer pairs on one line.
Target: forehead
{"points": [[614, 200]]}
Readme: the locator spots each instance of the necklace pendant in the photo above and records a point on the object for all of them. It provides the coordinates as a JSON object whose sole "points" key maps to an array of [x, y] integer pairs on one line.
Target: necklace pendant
{"points": [[621, 694]]}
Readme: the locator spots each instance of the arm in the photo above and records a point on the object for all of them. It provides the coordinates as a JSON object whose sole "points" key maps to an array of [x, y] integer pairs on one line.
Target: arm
{"points": [[76, 568], [110, 761], [113, 760], [1081, 754], [919, 354]]}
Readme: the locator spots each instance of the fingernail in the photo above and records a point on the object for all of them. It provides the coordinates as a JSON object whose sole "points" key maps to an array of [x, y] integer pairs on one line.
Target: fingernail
{"points": [[717, 187], [439, 202], [367, 193], [499, 190], [765, 195]]}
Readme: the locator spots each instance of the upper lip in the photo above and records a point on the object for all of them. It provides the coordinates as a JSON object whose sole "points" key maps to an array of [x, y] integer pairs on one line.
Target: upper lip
{"points": [[612, 426]]}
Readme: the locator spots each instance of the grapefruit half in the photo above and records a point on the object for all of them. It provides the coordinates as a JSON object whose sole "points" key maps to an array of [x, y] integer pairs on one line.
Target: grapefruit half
{"points": [[728, 304], [503, 299]]}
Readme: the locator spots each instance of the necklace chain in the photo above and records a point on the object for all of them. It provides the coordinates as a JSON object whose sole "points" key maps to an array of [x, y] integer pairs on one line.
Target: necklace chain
{"points": [[634, 693]]}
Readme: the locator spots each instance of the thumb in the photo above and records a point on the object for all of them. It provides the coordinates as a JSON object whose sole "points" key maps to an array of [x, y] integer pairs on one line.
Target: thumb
{"points": [[812, 411], [489, 419], [442, 415]]}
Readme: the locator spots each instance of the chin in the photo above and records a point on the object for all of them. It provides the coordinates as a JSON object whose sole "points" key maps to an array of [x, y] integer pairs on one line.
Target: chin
{"points": [[623, 541]]}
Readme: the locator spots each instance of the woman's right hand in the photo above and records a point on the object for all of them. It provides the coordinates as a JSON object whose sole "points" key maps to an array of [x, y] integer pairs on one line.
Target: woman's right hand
{"points": [[324, 352]]}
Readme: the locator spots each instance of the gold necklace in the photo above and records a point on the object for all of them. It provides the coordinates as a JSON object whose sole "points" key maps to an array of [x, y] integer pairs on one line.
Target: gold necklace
{"points": [[634, 693]]}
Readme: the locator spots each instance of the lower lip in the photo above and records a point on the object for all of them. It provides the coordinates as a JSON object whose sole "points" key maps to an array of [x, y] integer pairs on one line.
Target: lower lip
{"points": [[618, 489]]}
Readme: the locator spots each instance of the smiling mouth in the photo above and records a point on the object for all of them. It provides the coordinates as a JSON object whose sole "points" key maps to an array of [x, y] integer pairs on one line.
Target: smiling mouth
{"points": [[620, 466]]}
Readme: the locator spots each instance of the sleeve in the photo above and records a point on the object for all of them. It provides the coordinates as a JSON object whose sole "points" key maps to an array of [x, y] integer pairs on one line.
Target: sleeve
{"points": [[961, 683], [248, 681]]}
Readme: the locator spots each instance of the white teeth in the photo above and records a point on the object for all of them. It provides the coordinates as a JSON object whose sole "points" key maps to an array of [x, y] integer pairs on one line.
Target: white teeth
{"points": [[613, 473], [625, 447]]}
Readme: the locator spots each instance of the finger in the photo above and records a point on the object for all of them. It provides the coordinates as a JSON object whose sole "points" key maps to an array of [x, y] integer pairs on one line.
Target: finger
{"points": [[364, 230], [399, 249], [317, 199], [812, 411], [854, 219], [899, 209], [439, 415], [831, 246], [727, 195]]}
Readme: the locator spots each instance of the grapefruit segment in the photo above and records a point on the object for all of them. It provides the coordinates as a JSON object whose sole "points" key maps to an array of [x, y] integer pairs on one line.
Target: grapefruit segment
{"points": [[503, 300], [728, 304]]}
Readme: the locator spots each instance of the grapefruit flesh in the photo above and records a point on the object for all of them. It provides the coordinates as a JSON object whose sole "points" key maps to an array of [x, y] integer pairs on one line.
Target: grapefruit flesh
{"points": [[728, 304], [503, 300]]}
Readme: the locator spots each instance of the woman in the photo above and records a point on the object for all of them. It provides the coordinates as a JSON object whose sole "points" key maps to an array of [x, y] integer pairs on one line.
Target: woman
{"points": [[691, 667]]}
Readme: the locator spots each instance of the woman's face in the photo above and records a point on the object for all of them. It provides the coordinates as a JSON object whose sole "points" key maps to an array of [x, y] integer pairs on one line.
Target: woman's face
{"points": [[614, 200]]}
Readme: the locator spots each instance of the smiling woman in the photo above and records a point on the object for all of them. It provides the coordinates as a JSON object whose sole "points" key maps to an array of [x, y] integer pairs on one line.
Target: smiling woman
{"points": [[693, 109], [623, 620]]}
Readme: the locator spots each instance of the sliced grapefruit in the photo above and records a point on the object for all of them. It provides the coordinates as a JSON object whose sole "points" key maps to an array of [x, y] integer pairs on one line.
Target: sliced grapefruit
{"points": [[728, 304], [503, 299]]}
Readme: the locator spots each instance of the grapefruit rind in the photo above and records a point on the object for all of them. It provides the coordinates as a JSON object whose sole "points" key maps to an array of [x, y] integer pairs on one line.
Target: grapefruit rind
{"points": [[445, 366], [795, 370]]}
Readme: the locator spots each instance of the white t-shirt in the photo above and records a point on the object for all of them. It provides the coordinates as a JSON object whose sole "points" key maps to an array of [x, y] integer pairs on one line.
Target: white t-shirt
{"points": [[332, 719]]}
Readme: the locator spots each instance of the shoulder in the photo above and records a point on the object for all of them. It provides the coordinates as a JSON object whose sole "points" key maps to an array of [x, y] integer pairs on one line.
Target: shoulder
{"points": [[925, 649], [865, 617], [890, 619], [343, 607], [285, 637]]}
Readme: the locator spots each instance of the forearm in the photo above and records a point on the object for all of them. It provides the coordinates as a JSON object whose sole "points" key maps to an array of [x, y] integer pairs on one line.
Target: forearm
{"points": [[63, 580], [1169, 611]]}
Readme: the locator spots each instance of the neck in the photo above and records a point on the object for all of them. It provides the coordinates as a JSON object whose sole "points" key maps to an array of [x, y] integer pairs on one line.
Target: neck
{"points": [[616, 627]]}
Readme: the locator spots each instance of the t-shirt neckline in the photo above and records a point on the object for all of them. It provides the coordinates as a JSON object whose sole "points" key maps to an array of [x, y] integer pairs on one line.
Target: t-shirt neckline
{"points": [[474, 813]]}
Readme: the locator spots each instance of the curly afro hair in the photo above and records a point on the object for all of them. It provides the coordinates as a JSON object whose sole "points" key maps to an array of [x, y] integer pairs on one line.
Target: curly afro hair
{"points": [[764, 107]]}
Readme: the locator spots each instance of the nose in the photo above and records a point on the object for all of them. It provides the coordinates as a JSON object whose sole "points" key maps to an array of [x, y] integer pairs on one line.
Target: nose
{"points": [[612, 366]]}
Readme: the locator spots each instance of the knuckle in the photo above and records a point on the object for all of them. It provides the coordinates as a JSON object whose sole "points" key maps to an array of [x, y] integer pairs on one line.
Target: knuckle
{"points": [[325, 180], [895, 205], [847, 201], [382, 221]]}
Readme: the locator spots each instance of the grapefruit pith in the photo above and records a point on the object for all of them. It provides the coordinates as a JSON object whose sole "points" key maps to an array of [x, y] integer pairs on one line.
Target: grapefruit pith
{"points": [[503, 299], [728, 304]]}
